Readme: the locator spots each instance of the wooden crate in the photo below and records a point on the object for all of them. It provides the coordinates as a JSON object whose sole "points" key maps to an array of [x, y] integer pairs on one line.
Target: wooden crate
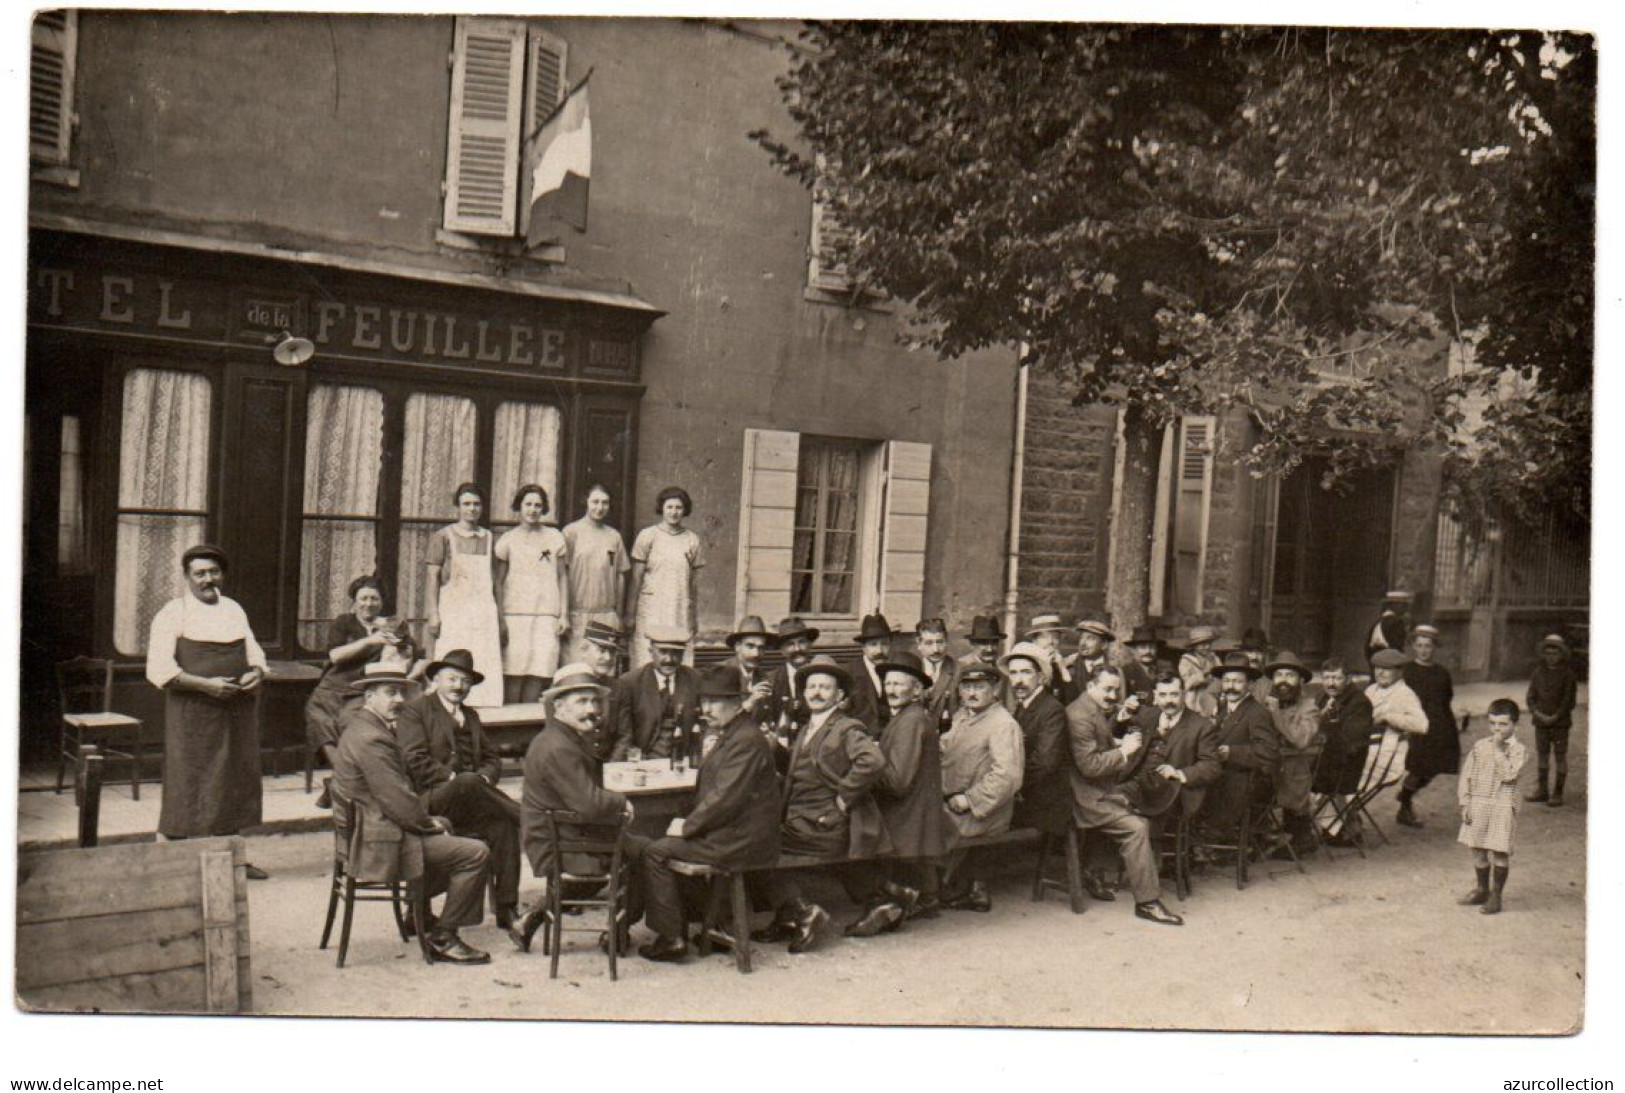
{"points": [[141, 928]]}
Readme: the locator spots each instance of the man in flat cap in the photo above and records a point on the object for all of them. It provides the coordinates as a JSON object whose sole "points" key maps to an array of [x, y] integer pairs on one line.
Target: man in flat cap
{"points": [[202, 654], [734, 823], [602, 645], [659, 702], [1094, 649], [1044, 800], [982, 766]]}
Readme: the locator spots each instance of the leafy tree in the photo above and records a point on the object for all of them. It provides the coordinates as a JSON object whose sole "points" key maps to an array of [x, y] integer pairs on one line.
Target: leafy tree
{"points": [[1180, 219]]}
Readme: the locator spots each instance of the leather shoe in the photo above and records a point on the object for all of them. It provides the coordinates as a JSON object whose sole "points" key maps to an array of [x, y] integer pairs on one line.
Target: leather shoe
{"points": [[1096, 886], [780, 929], [451, 949], [720, 939], [664, 950], [806, 929], [880, 918], [521, 933], [505, 916], [1407, 818], [906, 898], [1156, 912], [928, 907], [621, 949], [976, 898], [255, 872]]}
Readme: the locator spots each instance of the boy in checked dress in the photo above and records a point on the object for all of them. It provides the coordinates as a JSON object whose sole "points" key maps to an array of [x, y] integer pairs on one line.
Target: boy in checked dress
{"points": [[1487, 792]]}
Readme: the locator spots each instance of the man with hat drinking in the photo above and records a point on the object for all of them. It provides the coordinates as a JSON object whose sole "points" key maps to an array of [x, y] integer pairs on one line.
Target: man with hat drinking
{"points": [[1045, 633], [795, 640], [1553, 693], [1297, 724], [749, 641], [734, 823], [868, 702], [202, 654], [1439, 751], [563, 775], [1196, 666], [829, 811], [1247, 742], [455, 772], [982, 766], [1043, 801], [659, 702], [402, 839]]}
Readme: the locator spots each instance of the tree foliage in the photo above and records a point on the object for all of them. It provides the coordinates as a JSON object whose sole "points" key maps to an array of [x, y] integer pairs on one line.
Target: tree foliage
{"points": [[1186, 219]]}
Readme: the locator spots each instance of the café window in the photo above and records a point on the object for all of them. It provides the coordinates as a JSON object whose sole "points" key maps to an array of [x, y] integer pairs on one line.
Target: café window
{"points": [[162, 494], [526, 450], [72, 542], [437, 456], [824, 563], [344, 450]]}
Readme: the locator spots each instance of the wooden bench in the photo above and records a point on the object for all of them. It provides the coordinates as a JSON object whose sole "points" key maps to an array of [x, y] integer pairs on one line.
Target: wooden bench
{"points": [[739, 904]]}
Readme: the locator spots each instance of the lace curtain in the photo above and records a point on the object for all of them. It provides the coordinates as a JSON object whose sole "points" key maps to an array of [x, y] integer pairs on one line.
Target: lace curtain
{"points": [[438, 456], [827, 481], [163, 465], [344, 450], [527, 450]]}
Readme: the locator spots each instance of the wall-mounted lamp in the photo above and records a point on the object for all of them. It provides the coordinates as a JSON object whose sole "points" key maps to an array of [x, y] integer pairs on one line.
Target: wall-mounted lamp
{"points": [[291, 351]]}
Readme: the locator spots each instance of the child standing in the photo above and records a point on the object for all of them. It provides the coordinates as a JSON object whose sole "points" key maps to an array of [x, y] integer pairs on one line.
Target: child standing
{"points": [[1487, 792], [1552, 691]]}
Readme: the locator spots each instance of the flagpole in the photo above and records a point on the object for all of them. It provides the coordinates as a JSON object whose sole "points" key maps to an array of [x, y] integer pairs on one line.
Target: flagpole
{"points": [[560, 105]]}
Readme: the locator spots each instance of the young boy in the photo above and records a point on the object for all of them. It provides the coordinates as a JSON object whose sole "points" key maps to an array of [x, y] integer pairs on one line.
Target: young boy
{"points": [[1488, 795], [1551, 698]]}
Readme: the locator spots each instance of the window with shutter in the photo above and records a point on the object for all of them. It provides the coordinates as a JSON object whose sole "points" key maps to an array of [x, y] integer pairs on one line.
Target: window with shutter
{"points": [[546, 85], [767, 512], [487, 110], [906, 514], [1192, 500], [50, 115]]}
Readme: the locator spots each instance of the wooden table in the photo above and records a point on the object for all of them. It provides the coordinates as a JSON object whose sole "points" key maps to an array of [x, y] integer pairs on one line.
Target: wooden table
{"points": [[664, 795]]}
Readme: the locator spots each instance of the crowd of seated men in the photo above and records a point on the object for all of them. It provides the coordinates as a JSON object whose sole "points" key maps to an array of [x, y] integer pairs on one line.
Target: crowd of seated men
{"points": [[882, 777]]}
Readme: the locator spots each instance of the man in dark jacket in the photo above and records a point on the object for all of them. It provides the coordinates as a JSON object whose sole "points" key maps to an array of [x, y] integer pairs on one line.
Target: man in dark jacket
{"points": [[1392, 625], [563, 775], [1045, 799], [749, 641], [1249, 746], [659, 702], [602, 646], [400, 839], [1345, 719], [456, 774], [785, 711], [868, 701], [1185, 743], [734, 823], [1553, 693]]}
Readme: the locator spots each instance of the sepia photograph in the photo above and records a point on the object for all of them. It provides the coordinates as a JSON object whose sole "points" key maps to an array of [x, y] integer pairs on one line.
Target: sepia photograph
{"points": [[796, 520]]}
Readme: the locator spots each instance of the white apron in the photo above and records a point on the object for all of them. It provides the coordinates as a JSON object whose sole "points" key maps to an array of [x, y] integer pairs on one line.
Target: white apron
{"points": [[468, 620]]}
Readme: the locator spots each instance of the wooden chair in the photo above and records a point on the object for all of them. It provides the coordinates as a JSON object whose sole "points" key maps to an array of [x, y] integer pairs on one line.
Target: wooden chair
{"points": [[1072, 849], [1174, 846], [85, 689], [87, 793], [738, 908], [348, 825], [1379, 776], [1238, 841], [600, 890]]}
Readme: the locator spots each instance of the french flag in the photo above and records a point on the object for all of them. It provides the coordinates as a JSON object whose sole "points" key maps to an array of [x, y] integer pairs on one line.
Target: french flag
{"points": [[562, 170]]}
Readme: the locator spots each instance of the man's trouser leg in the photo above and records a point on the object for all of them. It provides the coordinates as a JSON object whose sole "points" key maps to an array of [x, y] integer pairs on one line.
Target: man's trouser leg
{"points": [[478, 811], [1132, 836], [458, 867], [665, 902], [863, 881]]}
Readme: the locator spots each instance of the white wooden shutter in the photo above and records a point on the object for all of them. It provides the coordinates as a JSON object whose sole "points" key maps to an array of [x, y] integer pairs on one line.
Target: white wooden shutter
{"points": [[826, 265], [50, 113], [907, 512], [487, 108], [1192, 503], [546, 73], [767, 521]]}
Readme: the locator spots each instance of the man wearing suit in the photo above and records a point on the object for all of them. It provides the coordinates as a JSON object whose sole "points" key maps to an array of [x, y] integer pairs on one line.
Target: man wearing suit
{"points": [[868, 701], [659, 702], [456, 774], [601, 644], [784, 709], [1045, 633], [1189, 748], [749, 641], [563, 775], [1248, 743], [734, 823], [1099, 762], [942, 696], [401, 840], [1346, 721], [1094, 651], [829, 809], [1045, 792]]}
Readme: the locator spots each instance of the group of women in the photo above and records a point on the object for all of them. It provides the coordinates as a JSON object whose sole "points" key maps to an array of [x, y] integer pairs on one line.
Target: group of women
{"points": [[511, 599]]}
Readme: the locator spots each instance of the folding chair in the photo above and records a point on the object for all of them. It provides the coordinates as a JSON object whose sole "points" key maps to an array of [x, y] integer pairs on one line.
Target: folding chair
{"points": [[1383, 755], [347, 836], [85, 690], [602, 890]]}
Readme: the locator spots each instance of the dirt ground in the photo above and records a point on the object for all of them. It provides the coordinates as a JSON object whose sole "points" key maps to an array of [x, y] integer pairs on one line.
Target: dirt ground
{"points": [[1375, 945]]}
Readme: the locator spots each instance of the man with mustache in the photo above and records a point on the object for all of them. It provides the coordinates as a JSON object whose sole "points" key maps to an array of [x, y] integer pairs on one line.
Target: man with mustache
{"points": [[1297, 724], [1247, 742], [749, 641]]}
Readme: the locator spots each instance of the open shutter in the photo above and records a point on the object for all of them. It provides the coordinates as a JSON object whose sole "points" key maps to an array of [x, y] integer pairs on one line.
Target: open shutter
{"points": [[487, 107], [545, 86], [826, 266], [50, 113], [1157, 589], [767, 519], [1192, 502], [907, 511]]}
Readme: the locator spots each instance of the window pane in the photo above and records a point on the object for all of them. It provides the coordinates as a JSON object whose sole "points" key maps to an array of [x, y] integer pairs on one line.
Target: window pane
{"points": [[438, 455], [72, 548], [333, 553], [409, 600], [527, 450], [163, 463], [843, 511], [801, 588], [344, 450], [837, 595], [802, 556], [840, 550], [806, 508]]}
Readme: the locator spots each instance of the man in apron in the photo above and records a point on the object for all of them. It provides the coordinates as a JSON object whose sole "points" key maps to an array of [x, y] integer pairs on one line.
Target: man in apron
{"points": [[203, 656]]}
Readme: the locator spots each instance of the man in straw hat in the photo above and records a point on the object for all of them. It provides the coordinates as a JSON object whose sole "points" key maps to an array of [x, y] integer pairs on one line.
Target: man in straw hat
{"points": [[982, 767], [455, 773], [1095, 640], [202, 654], [1196, 664], [1439, 751], [401, 839], [750, 640], [829, 809], [1553, 693], [1045, 632], [734, 823], [868, 702], [562, 775], [1297, 724], [659, 702]]}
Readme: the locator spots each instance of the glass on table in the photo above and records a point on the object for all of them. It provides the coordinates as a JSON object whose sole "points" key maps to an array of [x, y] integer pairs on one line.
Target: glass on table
{"points": [[634, 755]]}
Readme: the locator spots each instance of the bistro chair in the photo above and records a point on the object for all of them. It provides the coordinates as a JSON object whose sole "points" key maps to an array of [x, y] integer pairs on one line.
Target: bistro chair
{"points": [[1380, 774], [348, 831], [1071, 848], [1174, 846], [1203, 843], [85, 689], [572, 892]]}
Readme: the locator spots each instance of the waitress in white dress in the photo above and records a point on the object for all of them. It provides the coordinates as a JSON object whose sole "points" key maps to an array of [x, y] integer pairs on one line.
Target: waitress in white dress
{"points": [[533, 587], [665, 558], [462, 604]]}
